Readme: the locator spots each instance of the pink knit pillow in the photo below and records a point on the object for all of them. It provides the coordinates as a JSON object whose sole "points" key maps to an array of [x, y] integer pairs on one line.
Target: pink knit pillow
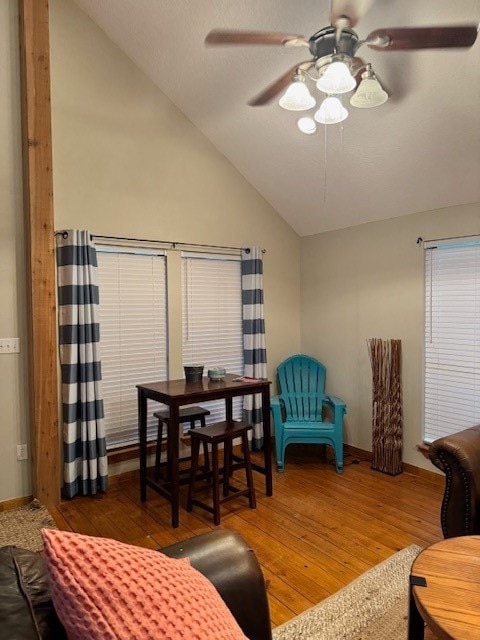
{"points": [[106, 590]]}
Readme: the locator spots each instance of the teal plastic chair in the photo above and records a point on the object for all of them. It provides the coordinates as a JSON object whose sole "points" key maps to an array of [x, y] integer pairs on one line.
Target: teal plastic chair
{"points": [[299, 413]]}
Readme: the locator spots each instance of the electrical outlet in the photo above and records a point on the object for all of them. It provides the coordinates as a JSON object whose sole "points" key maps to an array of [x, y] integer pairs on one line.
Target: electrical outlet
{"points": [[9, 345], [22, 452]]}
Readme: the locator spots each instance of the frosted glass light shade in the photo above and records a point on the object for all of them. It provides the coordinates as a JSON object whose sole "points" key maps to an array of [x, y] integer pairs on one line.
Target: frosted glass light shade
{"points": [[369, 94], [297, 97], [331, 111], [336, 79], [307, 125]]}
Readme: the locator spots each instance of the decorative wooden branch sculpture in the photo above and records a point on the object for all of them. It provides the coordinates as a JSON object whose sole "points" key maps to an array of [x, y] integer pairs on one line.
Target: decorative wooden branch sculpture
{"points": [[387, 421]]}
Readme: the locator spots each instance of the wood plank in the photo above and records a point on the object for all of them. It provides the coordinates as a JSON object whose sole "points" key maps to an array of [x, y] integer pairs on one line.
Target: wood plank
{"points": [[40, 257], [61, 522], [264, 517]]}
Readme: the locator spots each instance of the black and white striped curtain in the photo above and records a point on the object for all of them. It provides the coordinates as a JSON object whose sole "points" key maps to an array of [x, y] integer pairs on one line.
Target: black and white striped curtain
{"points": [[84, 446], [254, 351]]}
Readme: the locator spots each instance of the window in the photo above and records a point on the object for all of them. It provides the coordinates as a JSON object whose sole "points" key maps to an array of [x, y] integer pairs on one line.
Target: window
{"points": [[452, 337], [212, 318], [133, 325]]}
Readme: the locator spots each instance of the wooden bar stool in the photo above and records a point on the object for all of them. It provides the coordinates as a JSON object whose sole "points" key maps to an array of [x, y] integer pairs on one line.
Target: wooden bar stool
{"points": [[186, 414], [214, 435]]}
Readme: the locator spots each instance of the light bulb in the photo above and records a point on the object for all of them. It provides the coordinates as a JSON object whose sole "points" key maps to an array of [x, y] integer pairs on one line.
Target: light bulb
{"points": [[336, 79], [331, 111], [369, 94], [297, 97], [307, 125]]}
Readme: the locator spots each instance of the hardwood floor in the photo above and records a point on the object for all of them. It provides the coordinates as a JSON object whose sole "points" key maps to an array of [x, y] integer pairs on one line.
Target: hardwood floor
{"points": [[316, 533]]}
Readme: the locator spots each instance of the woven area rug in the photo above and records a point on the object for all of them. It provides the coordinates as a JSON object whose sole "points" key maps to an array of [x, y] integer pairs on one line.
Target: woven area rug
{"points": [[372, 607], [21, 526]]}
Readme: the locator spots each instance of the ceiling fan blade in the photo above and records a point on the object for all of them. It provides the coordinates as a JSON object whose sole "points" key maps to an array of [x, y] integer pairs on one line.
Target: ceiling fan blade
{"points": [[219, 36], [405, 38], [274, 89], [351, 9]]}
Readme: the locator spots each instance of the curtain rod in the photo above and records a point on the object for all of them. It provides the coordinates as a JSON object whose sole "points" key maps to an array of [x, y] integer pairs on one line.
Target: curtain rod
{"points": [[420, 239], [170, 242]]}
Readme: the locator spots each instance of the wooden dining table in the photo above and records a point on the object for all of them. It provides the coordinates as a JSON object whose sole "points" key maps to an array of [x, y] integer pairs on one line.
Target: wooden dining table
{"points": [[177, 393]]}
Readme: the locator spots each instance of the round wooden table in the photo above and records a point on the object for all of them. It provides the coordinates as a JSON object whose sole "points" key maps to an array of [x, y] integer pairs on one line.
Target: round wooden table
{"points": [[445, 590]]}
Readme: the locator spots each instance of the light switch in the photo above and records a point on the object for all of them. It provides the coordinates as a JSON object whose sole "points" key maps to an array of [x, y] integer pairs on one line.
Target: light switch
{"points": [[9, 345]]}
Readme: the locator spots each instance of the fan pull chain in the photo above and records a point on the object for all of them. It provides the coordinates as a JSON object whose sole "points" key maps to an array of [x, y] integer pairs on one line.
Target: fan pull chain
{"points": [[325, 165]]}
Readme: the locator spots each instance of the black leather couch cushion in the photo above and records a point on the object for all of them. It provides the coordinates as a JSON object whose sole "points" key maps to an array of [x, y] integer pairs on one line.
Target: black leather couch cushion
{"points": [[26, 609]]}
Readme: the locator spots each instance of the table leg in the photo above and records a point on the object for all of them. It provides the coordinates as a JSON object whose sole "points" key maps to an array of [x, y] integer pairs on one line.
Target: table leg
{"points": [[267, 440], [416, 625], [173, 455], [228, 409], [142, 438]]}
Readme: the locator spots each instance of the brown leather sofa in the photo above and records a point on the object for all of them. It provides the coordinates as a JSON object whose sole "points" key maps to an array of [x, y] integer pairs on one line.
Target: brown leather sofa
{"points": [[458, 456], [27, 612]]}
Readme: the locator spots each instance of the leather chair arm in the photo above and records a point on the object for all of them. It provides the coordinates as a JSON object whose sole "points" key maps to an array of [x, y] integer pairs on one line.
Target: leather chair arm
{"points": [[26, 609], [458, 456], [230, 564]]}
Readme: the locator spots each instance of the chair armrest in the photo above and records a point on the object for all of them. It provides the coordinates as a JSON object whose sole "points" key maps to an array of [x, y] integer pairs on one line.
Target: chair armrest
{"points": [[276, 406], [458, 456], [335, 402], [230, 564], [337, 405]]}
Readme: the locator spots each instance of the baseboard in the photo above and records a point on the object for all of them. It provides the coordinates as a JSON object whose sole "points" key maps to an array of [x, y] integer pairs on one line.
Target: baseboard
{"points": [[436, 478], [16, 502], [432, 476], [124, 477]]}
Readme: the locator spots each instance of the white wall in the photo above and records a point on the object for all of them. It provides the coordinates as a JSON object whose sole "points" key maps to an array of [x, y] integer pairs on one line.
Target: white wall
{"points": [[127, 162], [367, 282], [15, 478]]}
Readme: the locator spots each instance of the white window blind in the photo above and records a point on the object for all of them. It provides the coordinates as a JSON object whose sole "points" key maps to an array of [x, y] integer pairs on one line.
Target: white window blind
{"points": [[452, 338], [212, 318], [133, 335]]}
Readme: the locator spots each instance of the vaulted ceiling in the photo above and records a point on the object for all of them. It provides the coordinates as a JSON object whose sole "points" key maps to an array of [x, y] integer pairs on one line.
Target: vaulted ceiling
{"points": [[419, 151]]}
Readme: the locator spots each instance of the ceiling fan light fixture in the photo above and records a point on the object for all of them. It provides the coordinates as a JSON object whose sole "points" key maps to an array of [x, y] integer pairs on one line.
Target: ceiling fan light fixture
{"points": [[307, 125], [336, 79], [331, 111], [370, 92], [297, 97]]}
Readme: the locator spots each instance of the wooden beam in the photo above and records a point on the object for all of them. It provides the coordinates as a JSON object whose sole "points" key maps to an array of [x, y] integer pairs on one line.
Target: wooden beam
{"points": [[40, 248]]}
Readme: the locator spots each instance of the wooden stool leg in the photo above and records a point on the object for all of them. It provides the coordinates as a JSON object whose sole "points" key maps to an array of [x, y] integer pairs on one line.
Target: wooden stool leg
{"points": [[206, 463], [248, 471], [215, 484], [227, 462], [193, 472], [158, 452], [169, 462], [206, 459]]}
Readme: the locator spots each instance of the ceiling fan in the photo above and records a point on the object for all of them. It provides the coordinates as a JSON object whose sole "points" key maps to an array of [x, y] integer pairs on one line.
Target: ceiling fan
{"points": [[334, 64]]}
